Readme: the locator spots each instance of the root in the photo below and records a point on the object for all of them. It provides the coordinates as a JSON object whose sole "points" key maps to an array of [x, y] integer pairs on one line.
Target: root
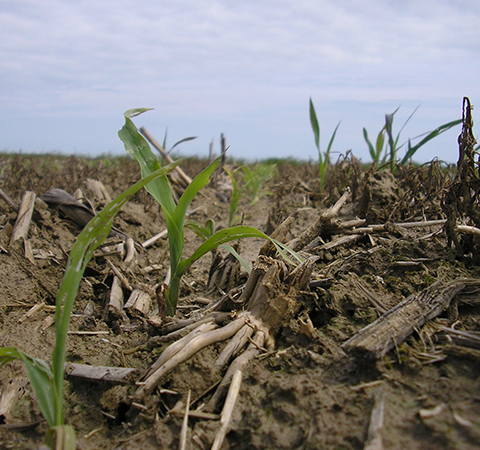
{"points": [[272, 298], [186, 348], [239, 363]]}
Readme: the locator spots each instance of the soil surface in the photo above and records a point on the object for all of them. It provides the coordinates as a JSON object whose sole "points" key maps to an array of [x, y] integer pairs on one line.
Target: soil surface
{"points": [[304, 393]]}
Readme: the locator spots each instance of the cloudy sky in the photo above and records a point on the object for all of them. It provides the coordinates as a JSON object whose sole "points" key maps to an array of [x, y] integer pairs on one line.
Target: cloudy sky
{"points": [[69, 69]]}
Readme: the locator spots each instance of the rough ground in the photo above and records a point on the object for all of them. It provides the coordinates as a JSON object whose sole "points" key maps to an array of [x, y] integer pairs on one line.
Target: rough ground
{"points": [[308, 393]]}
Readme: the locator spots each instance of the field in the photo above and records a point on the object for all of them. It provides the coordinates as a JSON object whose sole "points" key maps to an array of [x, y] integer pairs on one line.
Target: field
{"points": [[415, 383]]}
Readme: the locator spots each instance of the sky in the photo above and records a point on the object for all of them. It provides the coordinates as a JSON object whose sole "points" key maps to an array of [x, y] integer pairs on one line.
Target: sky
{"points": [[69, 69]]}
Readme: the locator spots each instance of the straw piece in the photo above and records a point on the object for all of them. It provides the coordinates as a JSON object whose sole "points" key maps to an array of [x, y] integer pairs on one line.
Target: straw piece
{"points": [[227, 411]]}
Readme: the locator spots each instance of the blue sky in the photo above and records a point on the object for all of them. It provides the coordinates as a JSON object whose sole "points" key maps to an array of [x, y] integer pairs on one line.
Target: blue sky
{"points": [[69, 69]]}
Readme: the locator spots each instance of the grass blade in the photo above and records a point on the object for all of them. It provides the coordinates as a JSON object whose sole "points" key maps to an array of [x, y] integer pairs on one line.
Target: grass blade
{"points": [[330, 143], [164, 144], [181, 141], [241, 260]]}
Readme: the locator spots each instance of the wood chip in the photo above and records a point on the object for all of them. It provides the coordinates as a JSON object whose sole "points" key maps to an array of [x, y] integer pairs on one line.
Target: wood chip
{"points": [[31, 312]]}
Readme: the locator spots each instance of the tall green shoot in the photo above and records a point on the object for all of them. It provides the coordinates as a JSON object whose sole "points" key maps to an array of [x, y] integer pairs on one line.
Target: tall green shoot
{"points": [[323, 157], [47, 380]]}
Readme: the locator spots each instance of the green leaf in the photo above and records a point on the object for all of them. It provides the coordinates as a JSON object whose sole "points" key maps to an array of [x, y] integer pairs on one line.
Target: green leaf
{"points": [[181, 141], [324, 162], [315, 125], [192, 190], [391, 141], [330, 143], [175, 223], [241, 260], [412, 150], [379, 144], [40, 377], [164, 145], [408, 120], [198, 229], [91, 237], [210, 227], [202, 231], [136, 112], [137, 146], [234, 199], [370, 146], [227, 235]]}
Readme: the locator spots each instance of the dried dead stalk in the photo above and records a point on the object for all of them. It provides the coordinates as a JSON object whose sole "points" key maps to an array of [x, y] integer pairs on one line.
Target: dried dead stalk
{"points": [[393, 327]]}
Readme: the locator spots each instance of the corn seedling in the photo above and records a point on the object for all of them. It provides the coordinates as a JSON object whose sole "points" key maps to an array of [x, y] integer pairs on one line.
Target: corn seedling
{"points": [[160, 189], [254, 178], [208, 228], [181, 141], [232, 218], [47, 381], [323, 157], [386, 145]]}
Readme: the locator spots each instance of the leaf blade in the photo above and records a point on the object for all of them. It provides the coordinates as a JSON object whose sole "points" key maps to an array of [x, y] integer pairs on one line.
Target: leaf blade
{"points": [[94, 233], [315, 125], [137, 146], [40, 378], [439, 130]]}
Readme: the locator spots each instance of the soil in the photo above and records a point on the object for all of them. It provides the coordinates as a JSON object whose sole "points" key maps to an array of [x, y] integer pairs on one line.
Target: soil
{"points": [[306, 393]]}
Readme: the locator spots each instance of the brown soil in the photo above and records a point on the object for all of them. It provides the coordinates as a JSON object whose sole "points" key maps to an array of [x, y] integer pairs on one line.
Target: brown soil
{"points": [[307, 393]]}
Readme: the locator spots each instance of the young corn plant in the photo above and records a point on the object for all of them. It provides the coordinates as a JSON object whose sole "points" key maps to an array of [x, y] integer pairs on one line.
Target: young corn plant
{"points": [[206, 231], [385, 151], [254, 179], [47, 380], [323, 157], [174, 213], [232, 218], [208, 228]]}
